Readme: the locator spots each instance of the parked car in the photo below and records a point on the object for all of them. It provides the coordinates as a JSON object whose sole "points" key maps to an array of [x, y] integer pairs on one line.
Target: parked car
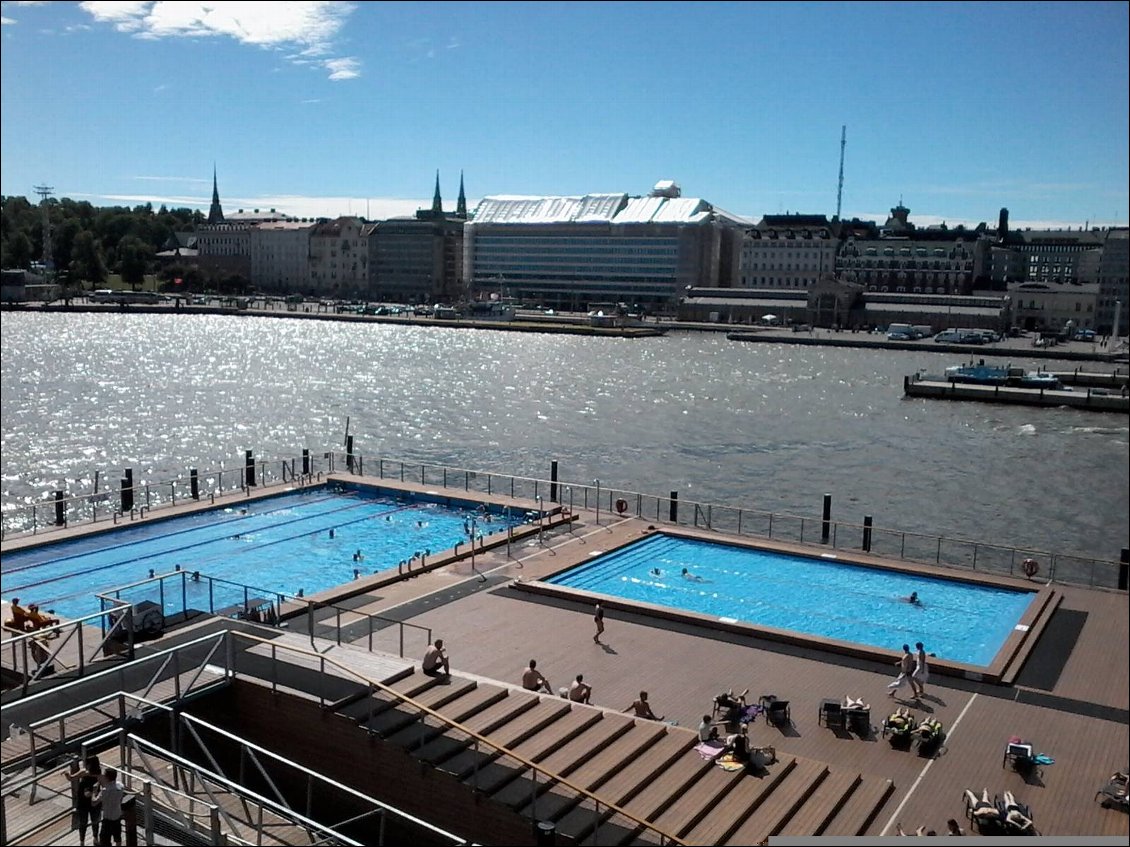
{"points": [[1085, 335]]}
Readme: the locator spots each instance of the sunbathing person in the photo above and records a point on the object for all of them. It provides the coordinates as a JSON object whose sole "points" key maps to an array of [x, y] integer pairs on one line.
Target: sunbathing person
{"points": [[900, 720], [20, 618], [929, 730], [733, 705], [983, 810], [1015, 815]]}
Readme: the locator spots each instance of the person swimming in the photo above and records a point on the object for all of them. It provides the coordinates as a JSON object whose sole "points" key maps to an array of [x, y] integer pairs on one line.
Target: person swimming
{"points": [[913, 599], [692, 577], [656, 572]]}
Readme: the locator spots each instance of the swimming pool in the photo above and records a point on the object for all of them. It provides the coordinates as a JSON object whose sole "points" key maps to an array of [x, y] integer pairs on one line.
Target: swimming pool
{"points": [[301, 540], [958, 621]]}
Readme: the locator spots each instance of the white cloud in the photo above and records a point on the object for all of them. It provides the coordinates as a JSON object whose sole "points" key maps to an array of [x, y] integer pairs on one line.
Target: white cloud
{"points": [[6, 21], [295, 205], [310, 28], [195, 179]]}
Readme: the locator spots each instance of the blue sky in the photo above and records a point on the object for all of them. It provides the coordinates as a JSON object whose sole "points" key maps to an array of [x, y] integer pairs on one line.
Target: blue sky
{"points": [[337, 108]]}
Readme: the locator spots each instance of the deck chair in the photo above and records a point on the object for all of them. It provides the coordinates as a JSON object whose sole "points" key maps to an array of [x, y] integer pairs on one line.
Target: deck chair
{"points": [[1025, 827], [831, 714], [985, 818], [1114, 793], [1021, 757], [899, 729], [776, 711]]}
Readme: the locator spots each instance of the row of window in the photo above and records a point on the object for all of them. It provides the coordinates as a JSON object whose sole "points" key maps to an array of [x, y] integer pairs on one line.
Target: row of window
{"points": [[570, 241]]}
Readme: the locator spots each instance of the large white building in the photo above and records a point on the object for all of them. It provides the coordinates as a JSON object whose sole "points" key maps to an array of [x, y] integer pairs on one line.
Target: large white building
{"points": [[569, 252], [788, 251], [280, 256]]}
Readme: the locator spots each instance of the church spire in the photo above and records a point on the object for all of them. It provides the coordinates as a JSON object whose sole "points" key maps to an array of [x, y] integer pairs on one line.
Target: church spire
{"points": [[461, 208], [437, 201], [215, 212]]}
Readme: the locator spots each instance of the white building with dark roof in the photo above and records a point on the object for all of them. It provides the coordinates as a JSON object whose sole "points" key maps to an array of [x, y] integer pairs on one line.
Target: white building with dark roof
{"points": [[568, 252]]}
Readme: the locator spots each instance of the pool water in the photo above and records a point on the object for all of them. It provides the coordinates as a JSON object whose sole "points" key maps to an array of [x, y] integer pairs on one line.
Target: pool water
{"points": [[278, 544], [957, 621]]}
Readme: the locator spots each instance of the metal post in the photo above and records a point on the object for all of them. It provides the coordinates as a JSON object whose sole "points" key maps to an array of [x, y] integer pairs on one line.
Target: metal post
{"points": [[597, 501], [194, 483], [553, 481], [60, 509], [826, 526], [867, 533], [674, 508]]}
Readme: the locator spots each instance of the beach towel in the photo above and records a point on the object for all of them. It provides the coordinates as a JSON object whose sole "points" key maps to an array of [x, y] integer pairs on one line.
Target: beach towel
{"points": [[709, 749], [728, 763], [749, 714], [1043, 759]]}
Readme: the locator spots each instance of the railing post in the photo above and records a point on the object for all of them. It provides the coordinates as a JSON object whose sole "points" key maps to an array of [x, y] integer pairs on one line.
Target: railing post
{"points": [[826, 521], [147, 797]]}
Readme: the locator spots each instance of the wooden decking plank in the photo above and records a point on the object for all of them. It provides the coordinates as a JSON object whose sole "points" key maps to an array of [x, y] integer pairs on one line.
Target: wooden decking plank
{"points": [[565, 759], [829, 795], [786, 798], [739, 804], [689, 807], [493, 776], [856, 814], [403, 714]]}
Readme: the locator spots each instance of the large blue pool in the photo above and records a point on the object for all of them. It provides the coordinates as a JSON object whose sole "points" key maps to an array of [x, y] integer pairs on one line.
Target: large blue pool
{"points": [[957, 621], [278, 544]]}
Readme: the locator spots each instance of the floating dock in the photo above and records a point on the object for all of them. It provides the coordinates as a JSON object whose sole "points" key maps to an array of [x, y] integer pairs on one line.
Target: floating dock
{"points": [[938, 388]]}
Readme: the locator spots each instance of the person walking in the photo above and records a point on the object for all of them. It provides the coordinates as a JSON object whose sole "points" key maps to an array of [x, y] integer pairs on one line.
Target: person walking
{"points": [[598, 617], [87, 813], [905, 664], [921, 672]]}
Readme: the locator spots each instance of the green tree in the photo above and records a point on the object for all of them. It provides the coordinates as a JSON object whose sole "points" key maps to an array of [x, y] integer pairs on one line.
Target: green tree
{"points": [[17, 251], [133, 255], [87, 264]]}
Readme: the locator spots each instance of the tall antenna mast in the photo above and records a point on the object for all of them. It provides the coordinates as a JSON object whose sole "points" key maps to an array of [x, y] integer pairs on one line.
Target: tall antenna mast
{"points": [[45, 191], [840, 190]]}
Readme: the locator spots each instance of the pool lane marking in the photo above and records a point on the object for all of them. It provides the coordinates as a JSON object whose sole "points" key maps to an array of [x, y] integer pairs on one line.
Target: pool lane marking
{"points": [[896, 815], [448, 588]]}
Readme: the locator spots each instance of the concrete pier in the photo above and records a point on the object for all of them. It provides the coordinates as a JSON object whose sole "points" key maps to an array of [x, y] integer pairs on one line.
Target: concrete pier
{"points": [[914, 386]]}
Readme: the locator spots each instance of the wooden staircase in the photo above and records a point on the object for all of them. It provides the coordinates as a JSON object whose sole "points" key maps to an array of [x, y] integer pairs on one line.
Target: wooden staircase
{"points": [[647, 768]]}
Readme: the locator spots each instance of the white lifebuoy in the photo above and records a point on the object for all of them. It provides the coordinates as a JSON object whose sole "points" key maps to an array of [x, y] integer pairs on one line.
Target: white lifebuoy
{"points": [[621, 505], [1031, 567]]}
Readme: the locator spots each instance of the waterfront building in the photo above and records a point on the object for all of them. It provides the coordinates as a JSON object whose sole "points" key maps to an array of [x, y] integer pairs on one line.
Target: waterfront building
{"points": [[1114, 284], [419, 259], [1048, 307], [339, 258], [905, 259], [568, 252], [280, 256], [787, 251]]}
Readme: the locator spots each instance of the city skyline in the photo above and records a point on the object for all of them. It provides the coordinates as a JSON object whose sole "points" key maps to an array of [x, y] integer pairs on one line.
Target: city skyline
{"points": [[325, 109]]}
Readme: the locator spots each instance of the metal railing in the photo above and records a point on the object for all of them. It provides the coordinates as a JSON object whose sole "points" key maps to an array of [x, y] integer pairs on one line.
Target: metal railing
{"points": [[604, 501]]}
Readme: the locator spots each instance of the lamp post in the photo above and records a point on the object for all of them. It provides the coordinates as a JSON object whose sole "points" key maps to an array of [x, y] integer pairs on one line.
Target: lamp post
{"points": [[597, 481]]}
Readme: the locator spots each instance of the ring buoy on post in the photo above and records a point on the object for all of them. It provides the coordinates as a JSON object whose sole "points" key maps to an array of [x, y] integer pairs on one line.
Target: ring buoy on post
{"points": [[1031, 567], [621, 505]]}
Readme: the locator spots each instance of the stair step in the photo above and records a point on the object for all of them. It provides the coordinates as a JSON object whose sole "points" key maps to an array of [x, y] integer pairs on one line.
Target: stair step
{"points": [[395, 719], [739, 804], [508, 735], [409, 686], [458, 710], [856, 814], [497, 774], [789, 796], [485, 722], [832, 793], [607, 762]]}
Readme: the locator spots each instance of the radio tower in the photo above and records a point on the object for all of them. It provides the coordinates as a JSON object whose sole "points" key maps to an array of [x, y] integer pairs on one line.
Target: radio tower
{"points": [[45, 191], [840, 190]]}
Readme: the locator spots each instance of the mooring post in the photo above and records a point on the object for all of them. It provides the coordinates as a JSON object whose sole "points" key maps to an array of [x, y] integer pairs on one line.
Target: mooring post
{"points": [[674, 516], [127, 491], [60, 509], [553, 481], [866, 533], [249, 464], [826, 524]]}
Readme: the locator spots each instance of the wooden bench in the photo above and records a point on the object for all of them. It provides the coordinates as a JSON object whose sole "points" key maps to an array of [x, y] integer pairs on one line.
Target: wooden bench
{"points": [[815, 814], [786, 798], [861, 807], [739, 804]]}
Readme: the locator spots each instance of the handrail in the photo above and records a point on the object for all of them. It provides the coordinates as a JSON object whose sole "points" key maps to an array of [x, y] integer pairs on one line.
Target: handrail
{"points": [[453, 724]]}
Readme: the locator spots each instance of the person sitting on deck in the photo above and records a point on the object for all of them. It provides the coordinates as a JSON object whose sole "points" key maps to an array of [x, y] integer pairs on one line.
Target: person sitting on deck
{"points": [[532, 679], [707, 730], [38, 620], [20, 617], [737, 745], [435, 661], [579, 690], [642, 708]]}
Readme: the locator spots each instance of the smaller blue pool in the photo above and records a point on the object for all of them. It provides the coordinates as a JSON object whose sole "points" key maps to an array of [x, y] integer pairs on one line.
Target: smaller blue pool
{"points": [[309, 541], [957, 621]]}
